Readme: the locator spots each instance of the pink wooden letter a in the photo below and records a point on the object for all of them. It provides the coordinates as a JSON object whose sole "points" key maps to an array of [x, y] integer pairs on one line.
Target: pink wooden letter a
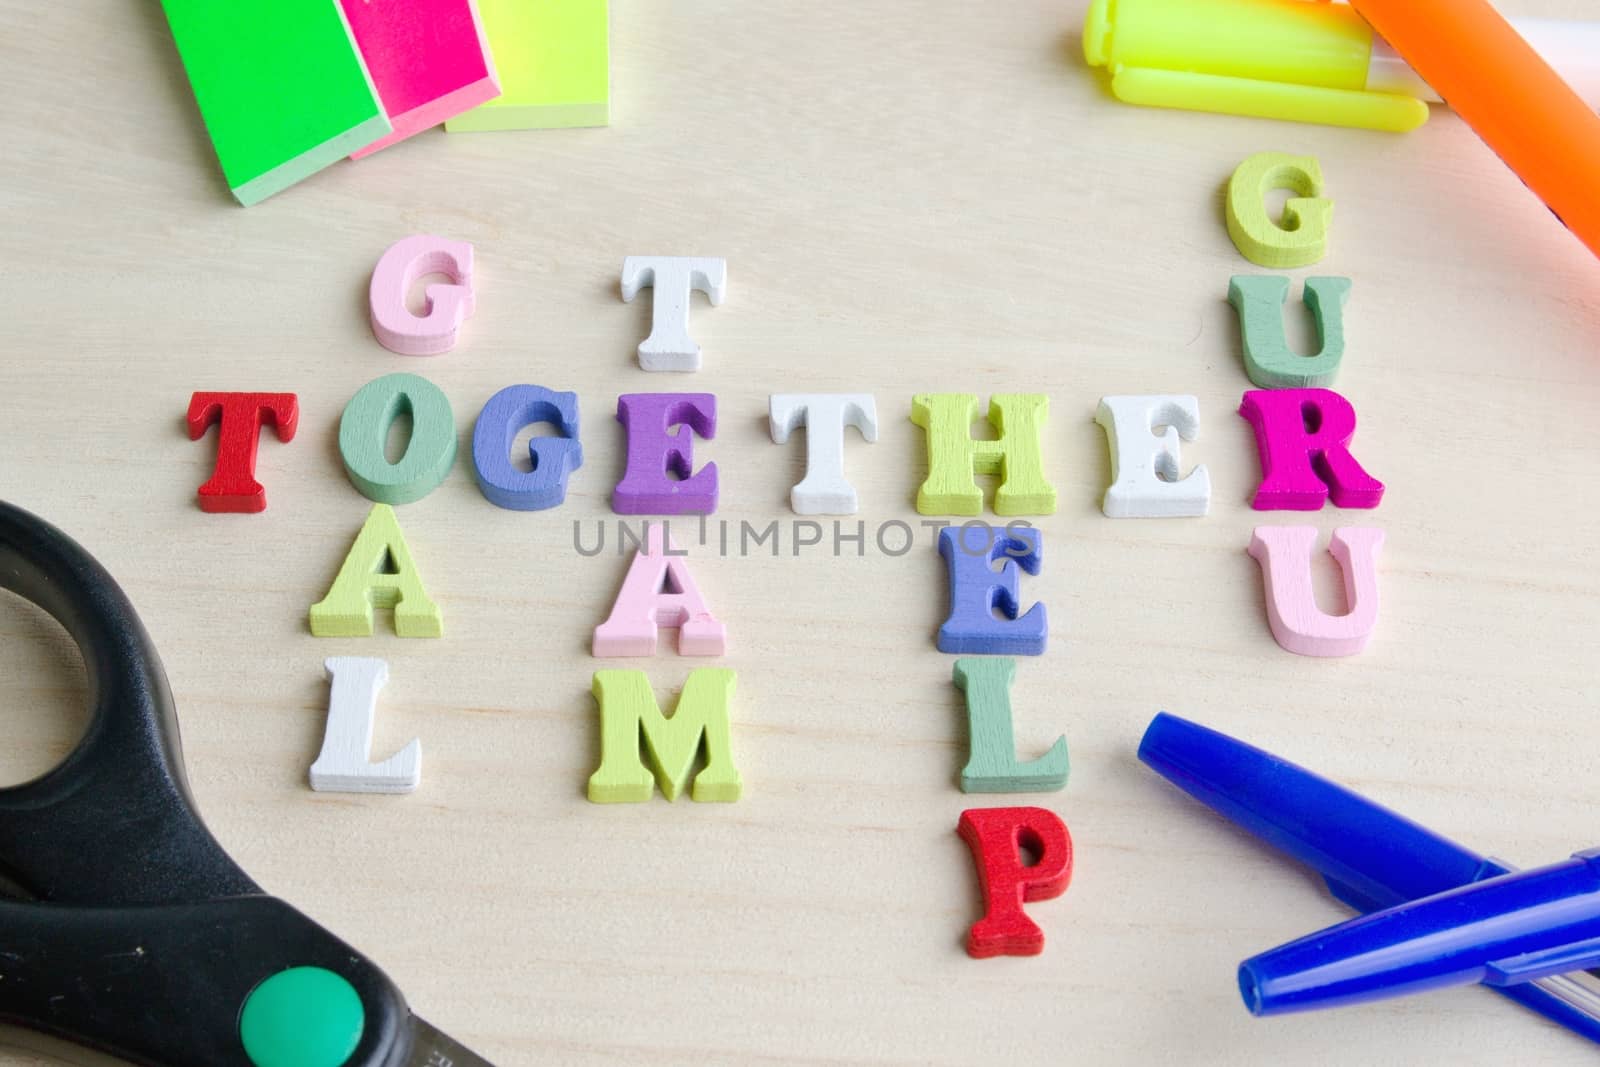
{"points": [[658, 591]]}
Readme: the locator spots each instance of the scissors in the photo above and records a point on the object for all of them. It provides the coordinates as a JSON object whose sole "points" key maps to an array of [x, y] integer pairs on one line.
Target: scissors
{"points": [[135, 933]]}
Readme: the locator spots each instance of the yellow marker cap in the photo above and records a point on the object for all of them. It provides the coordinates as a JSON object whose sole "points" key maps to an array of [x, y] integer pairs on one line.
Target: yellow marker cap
{"points": [[1302, 60]]}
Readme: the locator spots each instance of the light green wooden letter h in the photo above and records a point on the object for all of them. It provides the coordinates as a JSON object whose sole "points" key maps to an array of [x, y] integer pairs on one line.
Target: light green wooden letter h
{"points": [[954, 458]]}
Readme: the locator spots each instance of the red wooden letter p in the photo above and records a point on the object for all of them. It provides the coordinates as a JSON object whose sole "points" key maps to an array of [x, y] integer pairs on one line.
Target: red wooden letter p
{"points": [[997, 837]]}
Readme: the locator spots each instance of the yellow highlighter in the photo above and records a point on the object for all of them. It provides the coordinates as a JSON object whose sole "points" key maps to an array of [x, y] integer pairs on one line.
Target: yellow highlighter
{"points": [[1301, 60]]}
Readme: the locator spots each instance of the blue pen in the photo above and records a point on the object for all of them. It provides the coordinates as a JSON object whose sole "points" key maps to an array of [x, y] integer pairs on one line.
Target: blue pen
{"points": [[1370, 857], [1503, 931]]}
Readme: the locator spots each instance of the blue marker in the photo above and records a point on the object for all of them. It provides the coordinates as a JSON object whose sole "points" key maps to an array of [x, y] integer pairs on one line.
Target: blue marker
{"points": [[1507, 930], [1370, 857]]}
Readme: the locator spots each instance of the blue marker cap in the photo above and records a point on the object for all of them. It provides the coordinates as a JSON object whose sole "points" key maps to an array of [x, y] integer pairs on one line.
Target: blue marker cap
{"points": [[1503, 931], [1370, 857]]}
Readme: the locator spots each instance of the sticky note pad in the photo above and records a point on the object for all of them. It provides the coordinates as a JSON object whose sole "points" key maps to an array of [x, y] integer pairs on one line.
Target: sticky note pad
{"points": [[554, 62], [281, 87], [428, 58]]}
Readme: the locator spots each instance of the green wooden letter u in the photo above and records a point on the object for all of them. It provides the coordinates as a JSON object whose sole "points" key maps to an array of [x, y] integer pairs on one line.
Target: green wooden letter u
{"points": [[1268, 360]]}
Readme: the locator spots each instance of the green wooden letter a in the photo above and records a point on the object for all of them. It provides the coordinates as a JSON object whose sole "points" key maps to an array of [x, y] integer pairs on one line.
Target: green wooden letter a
{"points": [[379, 573]]}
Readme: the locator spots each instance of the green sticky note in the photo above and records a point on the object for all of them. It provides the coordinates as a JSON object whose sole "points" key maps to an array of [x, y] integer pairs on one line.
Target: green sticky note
{"points": [[554, 60], [281, 87]]}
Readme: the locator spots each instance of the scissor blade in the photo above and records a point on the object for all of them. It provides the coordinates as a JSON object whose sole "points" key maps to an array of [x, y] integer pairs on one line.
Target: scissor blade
{"points": [[430, 1048]]}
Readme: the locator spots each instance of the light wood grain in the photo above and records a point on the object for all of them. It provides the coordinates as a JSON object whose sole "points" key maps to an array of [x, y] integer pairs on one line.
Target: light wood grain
{"points": [[911, 197]]}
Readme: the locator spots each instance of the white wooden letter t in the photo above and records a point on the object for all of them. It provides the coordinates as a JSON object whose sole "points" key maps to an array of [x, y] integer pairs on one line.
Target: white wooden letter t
{"points": [[669, 346], [824, 490]]}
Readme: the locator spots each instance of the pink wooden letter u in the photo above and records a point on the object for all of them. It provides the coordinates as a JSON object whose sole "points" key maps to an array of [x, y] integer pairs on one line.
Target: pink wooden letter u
{"points": [[1284, 553]]}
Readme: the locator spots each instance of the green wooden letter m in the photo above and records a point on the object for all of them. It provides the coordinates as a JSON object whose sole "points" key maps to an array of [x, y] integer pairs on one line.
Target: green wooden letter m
{"points": [[628, 711]]}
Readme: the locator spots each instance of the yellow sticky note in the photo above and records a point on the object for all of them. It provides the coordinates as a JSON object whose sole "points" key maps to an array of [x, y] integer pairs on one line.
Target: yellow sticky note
{"points": [[554, 61]]}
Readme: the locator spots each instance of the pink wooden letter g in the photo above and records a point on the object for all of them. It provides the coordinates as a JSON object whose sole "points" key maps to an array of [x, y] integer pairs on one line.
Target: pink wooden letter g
{"points": [[445, 306]]}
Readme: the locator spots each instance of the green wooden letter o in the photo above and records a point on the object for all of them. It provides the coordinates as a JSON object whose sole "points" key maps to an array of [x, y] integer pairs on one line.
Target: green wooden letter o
{"points": [[364, 430]]}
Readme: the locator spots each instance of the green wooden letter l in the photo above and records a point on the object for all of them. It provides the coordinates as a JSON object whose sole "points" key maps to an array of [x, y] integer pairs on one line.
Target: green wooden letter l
{"points": [[992, 764]]}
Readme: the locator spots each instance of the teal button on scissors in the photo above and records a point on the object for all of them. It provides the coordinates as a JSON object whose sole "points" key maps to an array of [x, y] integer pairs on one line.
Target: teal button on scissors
{"points": [[139, 936]]}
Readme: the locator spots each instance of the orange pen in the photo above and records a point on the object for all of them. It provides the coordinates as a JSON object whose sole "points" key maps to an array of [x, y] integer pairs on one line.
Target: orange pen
{"points": [[1521, 108]]}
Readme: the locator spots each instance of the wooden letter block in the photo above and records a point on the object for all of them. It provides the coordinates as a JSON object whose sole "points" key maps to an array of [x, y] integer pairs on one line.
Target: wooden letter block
{"points": [[1303, 437], [446, 306], [1145, 483], [233, 485], [997, 837], [977, 591], [364, 431], [280, 85], [1303, 238], [628, 711], [659, 591], [378, 573], [1268, 359], [824, 490], [992, 764], [955, 459], [656, 448], [1284, 553], [672, 278], [342, 766], [554, 458]]}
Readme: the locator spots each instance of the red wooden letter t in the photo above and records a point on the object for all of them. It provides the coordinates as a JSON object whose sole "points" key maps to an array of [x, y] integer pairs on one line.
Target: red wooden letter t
{"points": [[997, 837], [233, 485]]}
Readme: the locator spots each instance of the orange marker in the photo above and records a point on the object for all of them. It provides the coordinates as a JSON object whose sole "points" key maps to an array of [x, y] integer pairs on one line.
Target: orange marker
{"points": [[1521, 108]]}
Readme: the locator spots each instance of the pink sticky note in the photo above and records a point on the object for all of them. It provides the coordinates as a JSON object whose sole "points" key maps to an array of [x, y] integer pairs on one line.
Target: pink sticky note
{"points": [[429, 61]]}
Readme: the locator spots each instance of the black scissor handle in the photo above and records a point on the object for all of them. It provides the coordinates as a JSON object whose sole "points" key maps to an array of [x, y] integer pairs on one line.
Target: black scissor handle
{"points": [[164, 985], [114, 823], [144, 938]]}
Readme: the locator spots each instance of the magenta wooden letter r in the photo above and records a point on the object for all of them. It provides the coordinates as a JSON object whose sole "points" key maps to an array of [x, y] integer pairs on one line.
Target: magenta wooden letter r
{"points": [[1303, 436]]}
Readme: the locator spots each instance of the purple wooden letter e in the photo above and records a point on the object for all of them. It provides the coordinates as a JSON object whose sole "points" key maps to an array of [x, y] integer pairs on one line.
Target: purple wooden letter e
{"points": [[655, 456]]}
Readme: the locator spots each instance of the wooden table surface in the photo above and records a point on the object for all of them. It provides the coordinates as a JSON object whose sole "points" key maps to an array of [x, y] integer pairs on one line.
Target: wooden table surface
{"points": [[910, 197]]}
